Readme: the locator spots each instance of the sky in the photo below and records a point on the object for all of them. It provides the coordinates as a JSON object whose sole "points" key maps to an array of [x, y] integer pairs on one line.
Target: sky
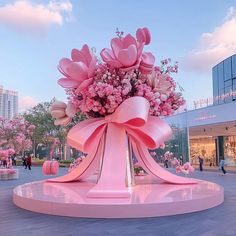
{"points": [[36, 34]]}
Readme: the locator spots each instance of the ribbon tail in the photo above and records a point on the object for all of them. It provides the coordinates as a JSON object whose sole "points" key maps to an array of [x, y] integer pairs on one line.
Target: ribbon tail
{"points": [[153, 168], [87, 167], [91, 162], [112, 181]]}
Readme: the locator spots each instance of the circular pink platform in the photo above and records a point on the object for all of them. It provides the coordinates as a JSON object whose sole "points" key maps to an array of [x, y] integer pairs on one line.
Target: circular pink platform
{"points": [[149, 199]]}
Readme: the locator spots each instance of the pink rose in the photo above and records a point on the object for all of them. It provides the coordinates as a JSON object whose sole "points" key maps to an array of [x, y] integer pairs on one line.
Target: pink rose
{"points": [[79, 71]]}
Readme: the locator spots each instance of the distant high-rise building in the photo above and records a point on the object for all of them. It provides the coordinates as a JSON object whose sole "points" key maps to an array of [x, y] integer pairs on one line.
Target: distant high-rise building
{"points": [[8, 103]]}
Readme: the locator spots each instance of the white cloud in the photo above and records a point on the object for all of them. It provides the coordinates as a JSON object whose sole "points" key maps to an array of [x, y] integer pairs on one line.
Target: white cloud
{"points": [[26, 102], [25, 16], [214, 46]]}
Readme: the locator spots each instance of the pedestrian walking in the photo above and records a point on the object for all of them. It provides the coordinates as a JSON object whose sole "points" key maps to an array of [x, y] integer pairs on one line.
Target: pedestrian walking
{"points": [[166, 163], [222, 166], [29, 162], [200, 159], [24, 162]]}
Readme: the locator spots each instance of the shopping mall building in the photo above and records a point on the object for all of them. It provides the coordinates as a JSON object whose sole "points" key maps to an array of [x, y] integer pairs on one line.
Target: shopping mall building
{"points": [[209, 131]]}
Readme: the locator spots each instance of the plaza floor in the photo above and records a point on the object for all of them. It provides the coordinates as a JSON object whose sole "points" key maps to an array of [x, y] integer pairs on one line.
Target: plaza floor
{"points": [[220, 220]]}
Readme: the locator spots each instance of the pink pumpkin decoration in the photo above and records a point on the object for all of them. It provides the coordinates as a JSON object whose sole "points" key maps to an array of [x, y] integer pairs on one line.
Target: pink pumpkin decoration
{"points": [[50, 167]]}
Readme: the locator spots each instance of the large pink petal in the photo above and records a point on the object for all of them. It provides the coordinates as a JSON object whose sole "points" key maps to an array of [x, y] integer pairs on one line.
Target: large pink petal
{"points": [[70, 109], [140, 35], [61, 71], [130, 67], [78, 71], [143, 35], [140, 49], [68, 83], [92, 67], [129, 40], [63, 65], [116, 45], [148, 59], [148, 35], [128, 56], [107, 55], [88, 55], [77, 55], [114, 63], [84, 84], [145, 70]]}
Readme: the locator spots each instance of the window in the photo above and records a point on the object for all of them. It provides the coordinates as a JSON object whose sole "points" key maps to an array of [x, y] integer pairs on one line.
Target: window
{"points": [[221, 97], [234, 89], [234, 66], [227, 69], [215, 82], [228, 90], [221, 76]]}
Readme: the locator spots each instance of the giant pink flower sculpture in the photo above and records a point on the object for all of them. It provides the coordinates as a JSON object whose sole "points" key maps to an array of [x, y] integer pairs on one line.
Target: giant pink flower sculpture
{"points": [[79, 71], [127, 53]]}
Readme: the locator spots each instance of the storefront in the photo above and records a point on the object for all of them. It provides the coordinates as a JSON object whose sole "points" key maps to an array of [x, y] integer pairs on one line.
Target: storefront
{"points": [[230, 150], [210, 133], [204, 147]]}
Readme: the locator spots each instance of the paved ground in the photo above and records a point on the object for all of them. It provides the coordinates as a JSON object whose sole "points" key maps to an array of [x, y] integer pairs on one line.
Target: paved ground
{"points": [[220, 220]]}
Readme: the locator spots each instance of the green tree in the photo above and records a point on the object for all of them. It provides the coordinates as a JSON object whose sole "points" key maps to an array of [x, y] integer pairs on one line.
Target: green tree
{"points": [[45, 129]]}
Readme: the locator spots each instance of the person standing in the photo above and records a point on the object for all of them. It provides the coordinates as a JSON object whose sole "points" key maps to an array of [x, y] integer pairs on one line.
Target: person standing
{"points": [[200, 159], [13, 158], [166, 163], [24, 161], [222, 166], [29, 162]]}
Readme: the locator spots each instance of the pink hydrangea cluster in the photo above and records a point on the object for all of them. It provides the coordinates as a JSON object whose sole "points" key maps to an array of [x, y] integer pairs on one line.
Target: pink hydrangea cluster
{"points": [[186, 168], [96, 88]]}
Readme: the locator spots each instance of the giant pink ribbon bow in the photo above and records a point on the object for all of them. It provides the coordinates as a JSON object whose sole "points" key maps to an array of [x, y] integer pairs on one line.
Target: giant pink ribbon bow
{"points": [[105, 141]]}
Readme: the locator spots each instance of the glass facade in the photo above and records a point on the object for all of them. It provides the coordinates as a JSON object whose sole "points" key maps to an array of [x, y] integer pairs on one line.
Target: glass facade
{"points": [[178, 144], [224, 81]]}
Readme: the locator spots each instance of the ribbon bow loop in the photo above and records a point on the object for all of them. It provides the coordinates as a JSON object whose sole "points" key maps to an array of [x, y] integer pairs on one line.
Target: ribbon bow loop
{"points": [[132, 115], [132, 112], [85, 136]]}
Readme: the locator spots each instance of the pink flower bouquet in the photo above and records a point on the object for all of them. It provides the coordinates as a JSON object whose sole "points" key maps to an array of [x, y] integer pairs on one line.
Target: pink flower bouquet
{"points": [[123, 95], [96, 87]]}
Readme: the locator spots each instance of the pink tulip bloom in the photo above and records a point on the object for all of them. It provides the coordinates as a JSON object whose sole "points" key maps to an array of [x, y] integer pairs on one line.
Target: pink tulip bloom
{"points": [[125, 54], [62, 113], [143, 35], [147, 62], [79, 71]]}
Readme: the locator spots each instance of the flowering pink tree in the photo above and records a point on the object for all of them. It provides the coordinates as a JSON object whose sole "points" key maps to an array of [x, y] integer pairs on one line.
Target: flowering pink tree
{"points": [[16, 134]]}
